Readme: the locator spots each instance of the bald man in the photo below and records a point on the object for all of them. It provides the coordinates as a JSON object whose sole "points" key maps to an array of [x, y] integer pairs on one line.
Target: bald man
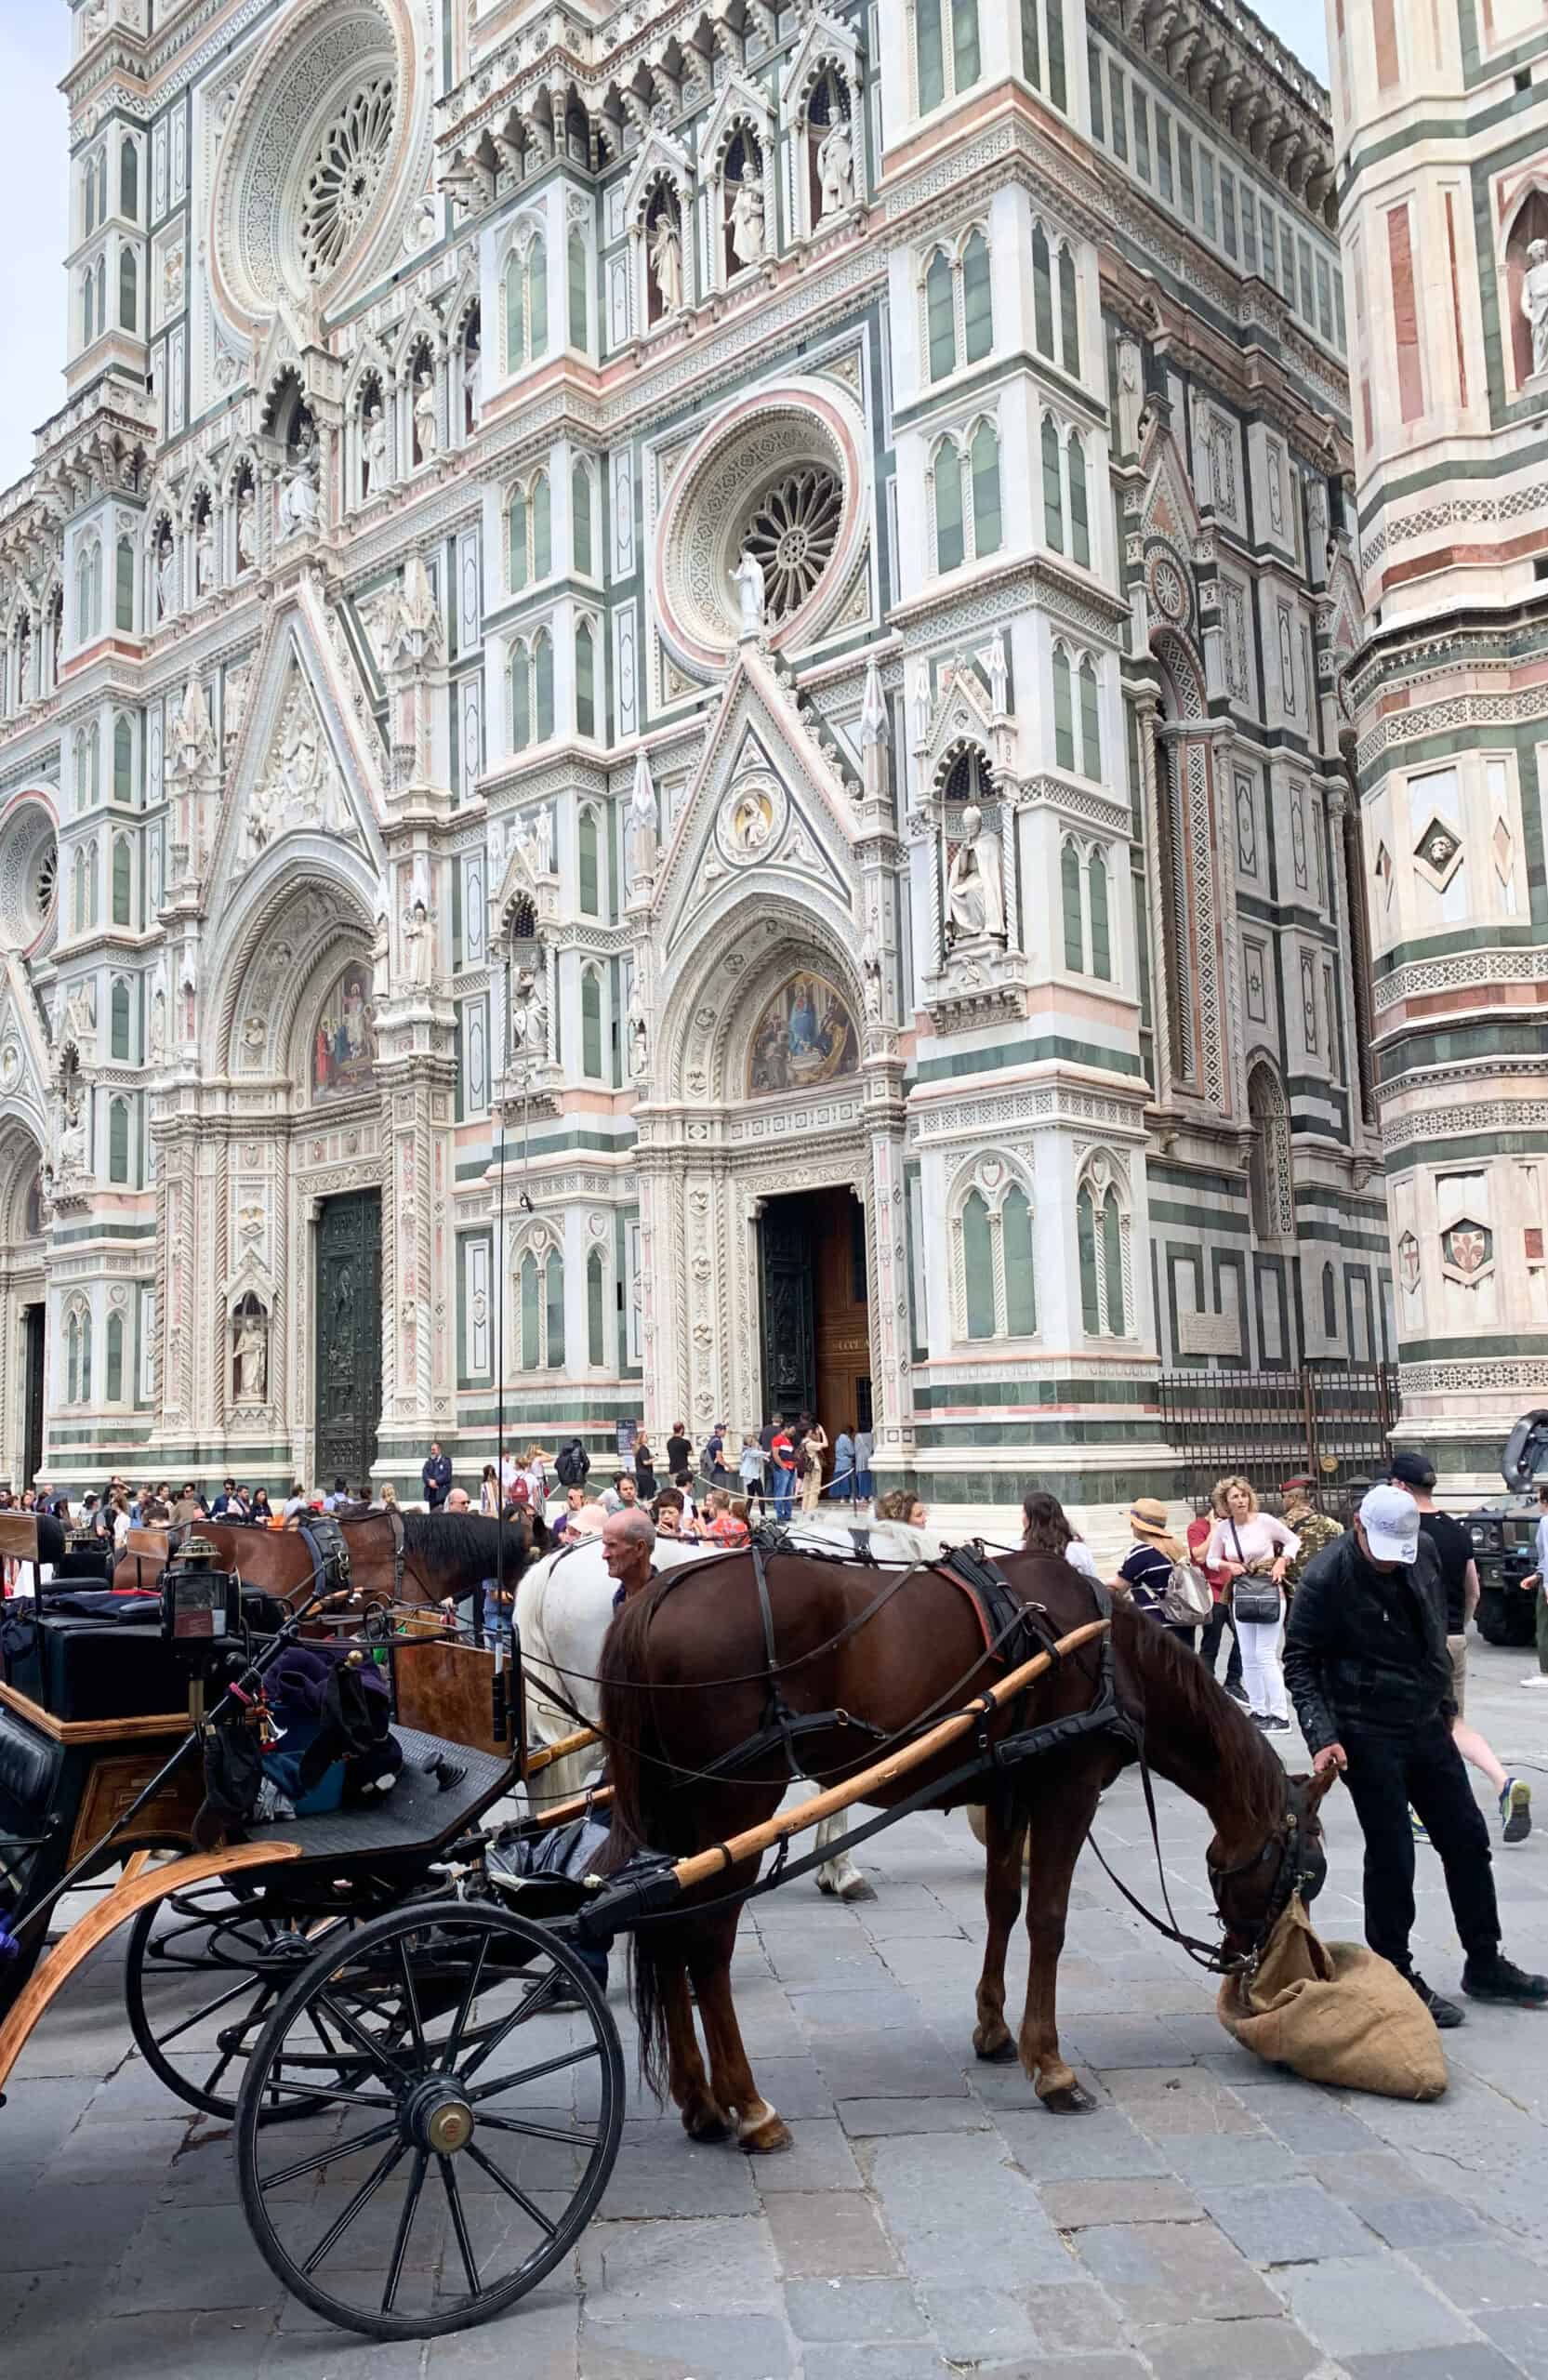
{"points": [[629, 1541]]}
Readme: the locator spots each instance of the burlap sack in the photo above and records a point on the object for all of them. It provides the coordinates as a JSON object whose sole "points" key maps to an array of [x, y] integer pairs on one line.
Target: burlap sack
{"points": [[1335, 2013]]}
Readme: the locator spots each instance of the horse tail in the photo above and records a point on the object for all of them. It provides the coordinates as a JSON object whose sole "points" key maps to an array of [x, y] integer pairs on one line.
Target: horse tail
{"points": [[633, 1750]]}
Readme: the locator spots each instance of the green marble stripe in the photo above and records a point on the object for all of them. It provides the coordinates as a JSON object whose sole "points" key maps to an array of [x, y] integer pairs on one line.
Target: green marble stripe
{"points": [[1024, 1053], [1467, 1145], [970, 1396], [1451, 1351]]}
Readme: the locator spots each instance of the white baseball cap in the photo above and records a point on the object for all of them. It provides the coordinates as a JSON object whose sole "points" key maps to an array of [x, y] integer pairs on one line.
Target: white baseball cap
{"points": [[1390, 1519]]}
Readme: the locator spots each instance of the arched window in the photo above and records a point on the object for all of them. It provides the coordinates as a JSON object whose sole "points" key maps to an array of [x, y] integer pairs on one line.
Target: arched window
{"points": [[1330, 1304], [590, 1024], [530, 532], [587, 850], [520, 698], [983, 455], [940, 302], [515, 315], [580, 335], [1042, 293], [1036, 16], [519, 540], [88, 301], [553, 1315], [949, 546], [596, 1313], [978, 332], [101, 294], [929, 56], [537, 297], [90, 196], [978, 1275], [1016, 1232], [1112, 1264], [1096, 892], [1069, 890], [121, 880], [1070, 314], [115, 1388], [124, 587], [585, 681], [1091, 721], [532, 1314], [542, 527], [1100, 1227], [831, 179], [128, 288], [580, 517], [78, 891], [542, 676], [1079, 518], [948, 58], [1053, 488], [118, 1043], [1271, 1194], [85, 626], [118, 1140], [128, 180], [1064, 715], [123, 760]]}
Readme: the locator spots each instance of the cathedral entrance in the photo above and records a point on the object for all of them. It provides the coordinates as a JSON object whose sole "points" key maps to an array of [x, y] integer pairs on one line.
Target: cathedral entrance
{"points": [[816, 1320], [35, 1374], [349, 1337]]}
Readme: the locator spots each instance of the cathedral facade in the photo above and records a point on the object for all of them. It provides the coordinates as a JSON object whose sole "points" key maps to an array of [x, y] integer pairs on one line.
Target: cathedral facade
{"points": [[675, 740]]}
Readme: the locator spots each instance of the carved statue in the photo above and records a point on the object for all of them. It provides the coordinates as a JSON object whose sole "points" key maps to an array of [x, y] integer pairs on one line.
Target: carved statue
{"points": [[529, 1015], [998, 673], [80, 1019], [373, 464], [836, 169], [752, 595], [426, 428], [665, 256], [158, 1027], [639, 1038], [542, 842], [250, 1357], [203, 555], [299, 498], [975, 892], [165, 575], [1534, 302], [171, 283], [871, 969], [1131, 394], [642, 819], [381, 959], [247, 526], [73, 1148], [748, 226], [418, 945], [471, 363], [922, 705]]}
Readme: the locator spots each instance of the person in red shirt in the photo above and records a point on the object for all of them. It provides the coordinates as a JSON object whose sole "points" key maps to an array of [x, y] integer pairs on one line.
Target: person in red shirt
{"points": [[1220, 1618], [782, 1457]]}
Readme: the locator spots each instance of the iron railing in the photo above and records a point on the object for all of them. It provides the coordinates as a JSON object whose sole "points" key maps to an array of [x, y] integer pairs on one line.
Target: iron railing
{"points": [[1332, 1421]]}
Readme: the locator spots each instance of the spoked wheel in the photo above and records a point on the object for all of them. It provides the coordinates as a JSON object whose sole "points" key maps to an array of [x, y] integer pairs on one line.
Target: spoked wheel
{"points": [[474, 2105], [203, 1970]]}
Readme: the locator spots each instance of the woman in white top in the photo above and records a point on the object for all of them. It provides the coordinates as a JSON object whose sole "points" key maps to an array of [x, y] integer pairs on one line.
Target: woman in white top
{"points": [[1049, 1530], [1246, 1543]]}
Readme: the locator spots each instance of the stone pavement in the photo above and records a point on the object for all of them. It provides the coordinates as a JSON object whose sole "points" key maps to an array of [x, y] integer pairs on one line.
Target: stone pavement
{"points": [[1212, 2216]]}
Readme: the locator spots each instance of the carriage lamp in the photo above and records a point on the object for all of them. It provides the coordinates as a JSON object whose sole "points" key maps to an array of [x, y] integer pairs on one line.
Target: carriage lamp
{"points": [[201, 1614]]}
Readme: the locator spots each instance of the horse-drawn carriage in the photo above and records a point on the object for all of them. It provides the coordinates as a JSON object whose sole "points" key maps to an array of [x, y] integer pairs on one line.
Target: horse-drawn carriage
{"points": [[396, 2009]]}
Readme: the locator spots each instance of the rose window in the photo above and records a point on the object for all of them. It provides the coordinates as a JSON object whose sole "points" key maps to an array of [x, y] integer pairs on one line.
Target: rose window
{"points": [[345, 175], [28, 876], [46, 877], [791, 534]]}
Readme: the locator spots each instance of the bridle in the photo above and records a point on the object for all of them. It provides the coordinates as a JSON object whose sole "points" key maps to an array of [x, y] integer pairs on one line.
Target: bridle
{"points": [[1291, 1847]]}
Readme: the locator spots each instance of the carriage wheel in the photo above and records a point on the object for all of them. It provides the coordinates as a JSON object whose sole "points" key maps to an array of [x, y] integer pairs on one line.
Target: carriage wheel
{"points": [[474, 2107], [202, 1972]]}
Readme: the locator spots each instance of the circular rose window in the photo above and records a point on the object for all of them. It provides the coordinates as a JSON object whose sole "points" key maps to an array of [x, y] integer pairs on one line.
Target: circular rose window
{"points": [[28, 876], [346, 174], [783, 478]]}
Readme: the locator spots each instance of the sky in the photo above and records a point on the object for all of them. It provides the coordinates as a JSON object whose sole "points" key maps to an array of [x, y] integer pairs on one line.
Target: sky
{"points": [[33, 194]]}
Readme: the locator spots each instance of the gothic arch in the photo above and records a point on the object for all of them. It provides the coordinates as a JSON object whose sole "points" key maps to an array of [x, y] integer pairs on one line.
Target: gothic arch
{"points": [[306, 902], [21, 1164], [748, 944]]}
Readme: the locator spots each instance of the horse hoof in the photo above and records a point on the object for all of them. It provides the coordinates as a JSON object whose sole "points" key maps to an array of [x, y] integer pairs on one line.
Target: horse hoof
{"points": [[857, 1889], [1003, 2054], [1069, 2099], [766, 2139], [707, 2124]]}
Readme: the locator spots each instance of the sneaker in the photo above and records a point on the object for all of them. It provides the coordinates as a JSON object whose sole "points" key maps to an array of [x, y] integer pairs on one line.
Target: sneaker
{"points": [[1515, 1810], [1420, 1832], [1259, 1719], [1237, 1692], [1512, 1986], [1445, 2011], [1539, 1677], [1279, 1725]]}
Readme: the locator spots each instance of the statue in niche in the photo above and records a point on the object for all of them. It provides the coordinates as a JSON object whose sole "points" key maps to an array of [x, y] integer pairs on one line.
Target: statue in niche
{"points": [[250, 1353], [381, 959], [998, 674], [1534, 302], [642, 820], [373, 455], [165, 573], [203, 555], [665, 259], [80, 1019], [1131, 394], [158, 1027], [529, 1016], [747, 224], [418, 945], [72, 1146], [426, 430], [247, 526], [542, 842], [975, 892], [299, 498], [470, 369], [751, 593], [836, 169]]}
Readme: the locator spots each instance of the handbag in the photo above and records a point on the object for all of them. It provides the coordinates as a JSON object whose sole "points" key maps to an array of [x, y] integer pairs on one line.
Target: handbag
{"points": [[1256, 1600], [1186, 1602]]}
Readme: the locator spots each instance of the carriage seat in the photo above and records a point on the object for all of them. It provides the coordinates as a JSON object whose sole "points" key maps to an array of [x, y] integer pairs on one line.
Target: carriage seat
{"points": [[417, 1819]]}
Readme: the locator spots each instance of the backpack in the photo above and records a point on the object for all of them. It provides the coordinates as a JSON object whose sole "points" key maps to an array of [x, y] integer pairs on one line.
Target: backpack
{"points": [[573, 1466], [1186, 1601]]}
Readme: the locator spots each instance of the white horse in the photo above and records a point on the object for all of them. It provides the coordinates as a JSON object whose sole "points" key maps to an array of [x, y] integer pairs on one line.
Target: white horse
{"points": [[564, 1605]]}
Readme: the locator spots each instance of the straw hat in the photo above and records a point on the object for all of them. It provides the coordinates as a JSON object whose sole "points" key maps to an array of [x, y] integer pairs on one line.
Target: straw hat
{"points": [[1147, 1517]]}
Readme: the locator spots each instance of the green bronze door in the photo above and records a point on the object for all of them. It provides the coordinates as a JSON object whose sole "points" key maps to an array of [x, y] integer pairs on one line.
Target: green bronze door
{"points": [[348, 1337]]}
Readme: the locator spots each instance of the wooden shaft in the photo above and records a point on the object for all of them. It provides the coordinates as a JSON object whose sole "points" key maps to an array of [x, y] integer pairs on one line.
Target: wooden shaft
{"points": [[559, 1813], [547, 1753], [705, 1864]]}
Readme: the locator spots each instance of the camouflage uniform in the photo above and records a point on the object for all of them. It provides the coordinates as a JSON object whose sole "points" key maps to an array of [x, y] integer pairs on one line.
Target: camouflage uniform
{"points": [[1314, 1529]]}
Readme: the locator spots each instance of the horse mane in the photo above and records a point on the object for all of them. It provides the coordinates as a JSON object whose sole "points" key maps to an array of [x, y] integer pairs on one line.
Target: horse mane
{"points": [[1252, 1775], [462, 1540]]}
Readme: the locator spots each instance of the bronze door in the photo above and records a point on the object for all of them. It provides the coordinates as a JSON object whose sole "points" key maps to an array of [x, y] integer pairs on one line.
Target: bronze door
{"points": [[348, 1337], [790, 1338], [34, 1319]]}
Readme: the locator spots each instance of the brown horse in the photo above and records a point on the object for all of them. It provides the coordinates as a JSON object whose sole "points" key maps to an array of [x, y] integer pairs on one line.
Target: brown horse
{"points": [[444, 1554], [685, 1683]]}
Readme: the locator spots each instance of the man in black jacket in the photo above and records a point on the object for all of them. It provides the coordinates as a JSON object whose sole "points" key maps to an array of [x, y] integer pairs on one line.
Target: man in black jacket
{"points": [[1367, 1670]]}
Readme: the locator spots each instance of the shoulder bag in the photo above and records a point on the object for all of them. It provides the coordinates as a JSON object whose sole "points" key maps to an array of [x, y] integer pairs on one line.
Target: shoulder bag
{"points": [[1255, 1600]]}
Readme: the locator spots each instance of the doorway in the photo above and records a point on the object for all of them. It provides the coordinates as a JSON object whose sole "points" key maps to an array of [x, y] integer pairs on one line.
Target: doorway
{"points": [[817, 1318], [348, 1337], [34, 1319]]}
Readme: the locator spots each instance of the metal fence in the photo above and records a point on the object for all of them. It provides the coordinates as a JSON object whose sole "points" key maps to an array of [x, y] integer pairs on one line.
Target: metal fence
{"points": [[1332, 1421]]}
